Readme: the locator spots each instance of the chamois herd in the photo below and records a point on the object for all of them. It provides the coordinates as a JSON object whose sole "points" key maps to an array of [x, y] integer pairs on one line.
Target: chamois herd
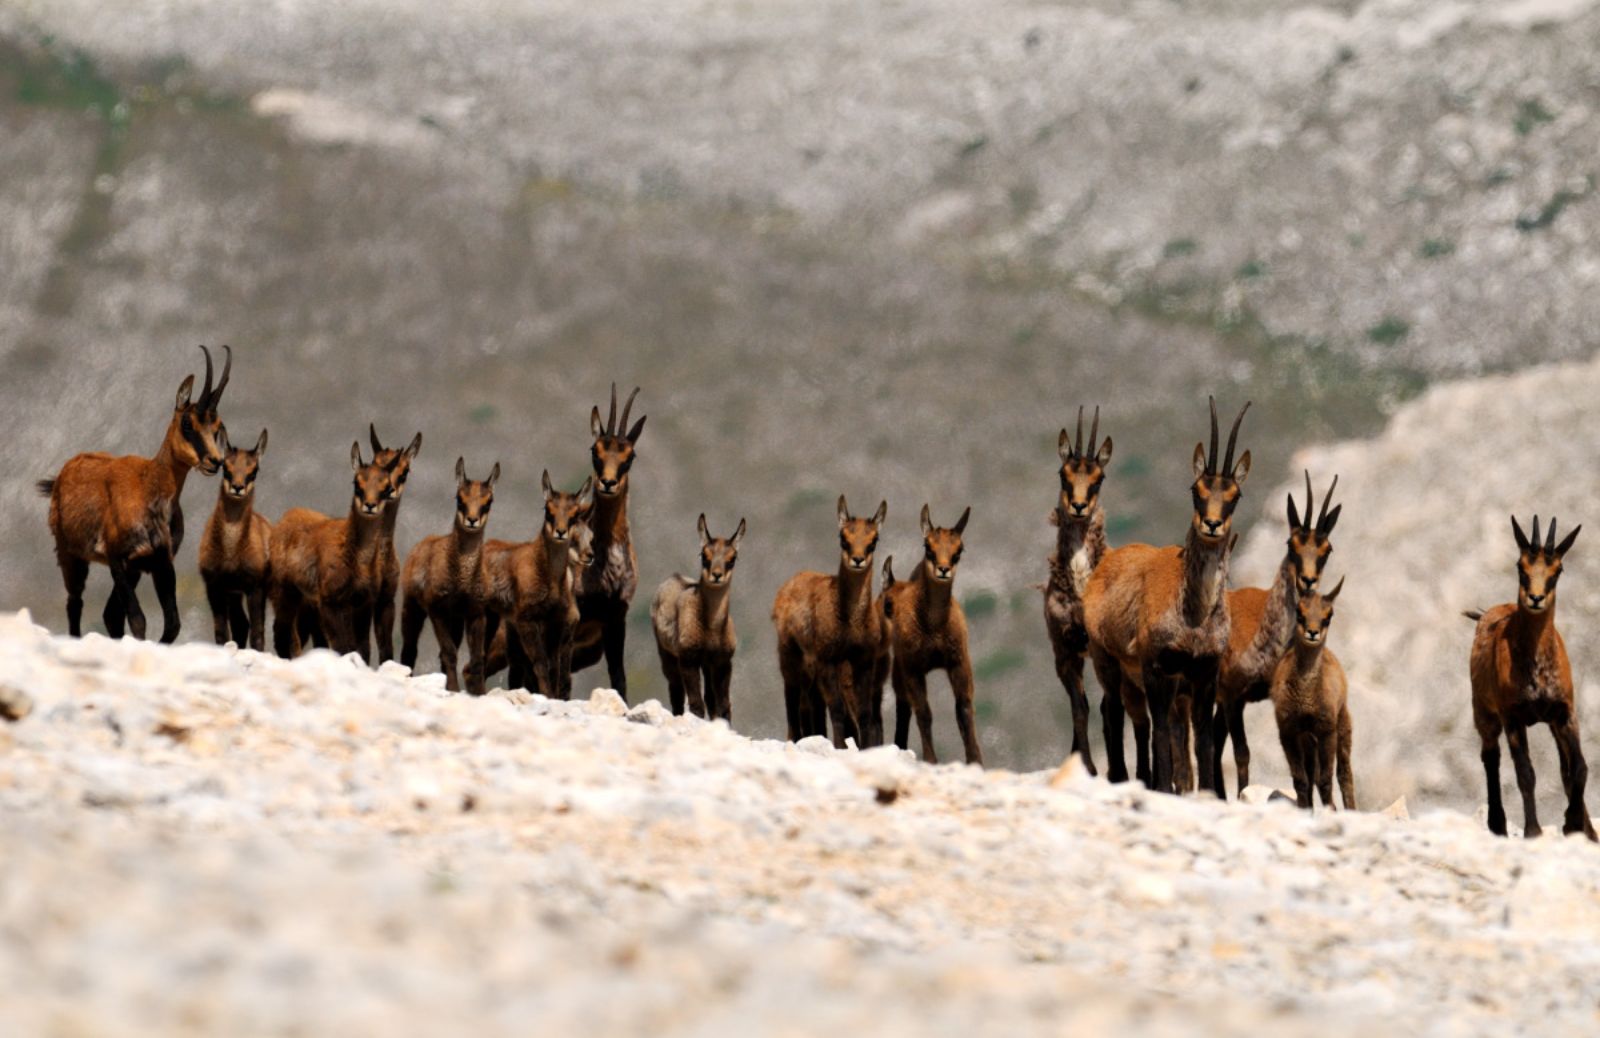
{"points": [[1175, 650]]}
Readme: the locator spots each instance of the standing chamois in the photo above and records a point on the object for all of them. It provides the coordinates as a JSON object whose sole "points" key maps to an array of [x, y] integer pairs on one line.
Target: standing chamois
{"points": [[606, 586], [235, 551], [1158, 620], [1080, 525], [532, 591], [830, 639], [125, 513], [1521, 676], [694, 631], [398, 462], [927, 632], [445, 581], [330, 568], [1309, 699], [1261, 622]]}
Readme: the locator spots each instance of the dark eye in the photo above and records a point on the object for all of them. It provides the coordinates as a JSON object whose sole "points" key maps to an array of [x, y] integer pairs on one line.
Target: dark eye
{"points": [[954, 559], [927, 553], [844, 543], [873, 546], [623, 468], [729, 564]]}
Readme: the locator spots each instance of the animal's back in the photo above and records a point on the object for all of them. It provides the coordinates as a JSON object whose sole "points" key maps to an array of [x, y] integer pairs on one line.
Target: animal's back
{"points": [[803, 606], [1247, 607], [1483, 658], [294, 548], [417, 577], [666, 610], [81, 503], [1130, 582]]}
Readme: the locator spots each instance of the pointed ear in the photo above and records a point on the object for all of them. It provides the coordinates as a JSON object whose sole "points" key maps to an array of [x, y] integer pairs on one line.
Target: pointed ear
{"points": [[881, 514], [494, 474], [461, 472], [927, 523], [1241, 470], [1566, 542], [595, 428], [544, 482], [372, 431], [705, 535], [844, 512], [738, 534], [586, 494], [222, 439], [1333, 519], [1104, 457], [1064, 447], [414, 446], [1294, 514], [355, 456], [961, 524], [888, 573], [261, 443], [185, 390], [638, 427], [1199, 460], [1522, 538], [1330, 596]]}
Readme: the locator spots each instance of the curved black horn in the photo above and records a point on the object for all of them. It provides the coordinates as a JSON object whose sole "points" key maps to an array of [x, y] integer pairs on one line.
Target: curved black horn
{"points": [[1311, 502], [611, 419], [1233, 436], [1550, 541], [1094, 431], [1077, 443], [205, 393], [1322, 517], [623, 424], [1211, 458], [227, 369]]}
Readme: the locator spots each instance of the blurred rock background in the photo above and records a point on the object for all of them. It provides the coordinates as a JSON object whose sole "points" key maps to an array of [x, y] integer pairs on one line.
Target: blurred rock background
{"points": [[878, 248]]}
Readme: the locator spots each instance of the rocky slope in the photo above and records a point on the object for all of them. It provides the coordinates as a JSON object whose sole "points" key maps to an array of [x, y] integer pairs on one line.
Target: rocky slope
{"points": [[200, 840]]}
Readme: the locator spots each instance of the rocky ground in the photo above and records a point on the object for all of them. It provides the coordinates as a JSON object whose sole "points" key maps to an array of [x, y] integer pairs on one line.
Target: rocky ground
{"points": [[200, 840]]}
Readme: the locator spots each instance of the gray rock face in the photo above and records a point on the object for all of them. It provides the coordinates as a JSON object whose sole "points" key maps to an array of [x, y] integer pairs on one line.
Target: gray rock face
{"points": [[203, 840]]}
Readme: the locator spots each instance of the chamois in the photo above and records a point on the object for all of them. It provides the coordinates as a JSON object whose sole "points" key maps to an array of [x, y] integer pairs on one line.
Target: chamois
{"points": [[125, 512], [928, 631], [1309, 699], [1080, 525], [330, 568], [1261, 622], [445, 581], [606, 585], [830, 638], [398, 462], [1157, 618], [1521, 676], [694, 630], [235, 551], [533, 591]]}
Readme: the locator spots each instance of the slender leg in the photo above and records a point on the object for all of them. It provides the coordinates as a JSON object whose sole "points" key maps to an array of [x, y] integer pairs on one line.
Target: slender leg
{"points": [[1347, 783], [914, 688], [384, 622], [412, 617], [448, 645], [75, 574], [961, 686], [337, 626], [1490, 755], [1304, 755], [360, 634], [1069, 669], [1517, 738], [166, 582], [1327, 750], [1202, 707], [721, 678], [533, 647], [1219, 743], [614, 635], [689, 675], [1576, 773], [495, 644], [477, 629], [1111, 715], [1241, 748], [1159, 695], [286, 621], [124, 586], [796, 695], [902, 707], [256, 611], [833, 698], [519, 669], [867, 700], [669, 670], [217, 599]]}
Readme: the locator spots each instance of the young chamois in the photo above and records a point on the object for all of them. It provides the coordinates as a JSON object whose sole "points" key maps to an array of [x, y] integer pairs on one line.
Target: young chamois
{"points": [[1158, 620], [1309, 699], [1261, 624], [927, 632], [532, 590], [694, 631], [1080, 525], [1521, 676], [830, 639], [398, 462], [445, 581], [235, 551], [330, 568], [125, 514], [606, 586]]}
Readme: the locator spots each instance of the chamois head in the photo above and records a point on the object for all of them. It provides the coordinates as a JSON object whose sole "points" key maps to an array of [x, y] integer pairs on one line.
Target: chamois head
{"points": [[858, 538], [1083, 469], [397, 461], [1313, 614], [1539, 566], [1308, 545], [718, 554], [613, 448], [941, 546], [474, 497], [580, 550], [372, 483], [1216, 487], [563, 512], [199, 430], [240, 465]]}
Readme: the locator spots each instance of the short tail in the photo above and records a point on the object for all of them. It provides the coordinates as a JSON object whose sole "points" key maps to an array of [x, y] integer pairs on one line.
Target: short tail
{"points": [[1473, 614], [46, 487]]}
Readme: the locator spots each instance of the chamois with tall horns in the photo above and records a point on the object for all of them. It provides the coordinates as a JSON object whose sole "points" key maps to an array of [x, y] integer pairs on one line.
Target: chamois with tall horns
{"points": [[125, 513], [694, 629], [1310, 702], [830, 640], [1521, 677], [446, 582], [236, 550], [607, 584], [928, 632], [1261, 625], [398, 461], [1158, 619], [1080, 525]]}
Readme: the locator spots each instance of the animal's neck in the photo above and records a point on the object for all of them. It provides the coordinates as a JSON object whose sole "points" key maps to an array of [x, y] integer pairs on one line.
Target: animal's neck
{"points": [[713, 605], [1277, 621], [1307, 658], [610, 519], [933, 597], [365, 535], [1205, 572], [556, 554], [168, 467], [236, 509], [1079, 545], [1529, 630], [466, 544], [855, 590]]}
